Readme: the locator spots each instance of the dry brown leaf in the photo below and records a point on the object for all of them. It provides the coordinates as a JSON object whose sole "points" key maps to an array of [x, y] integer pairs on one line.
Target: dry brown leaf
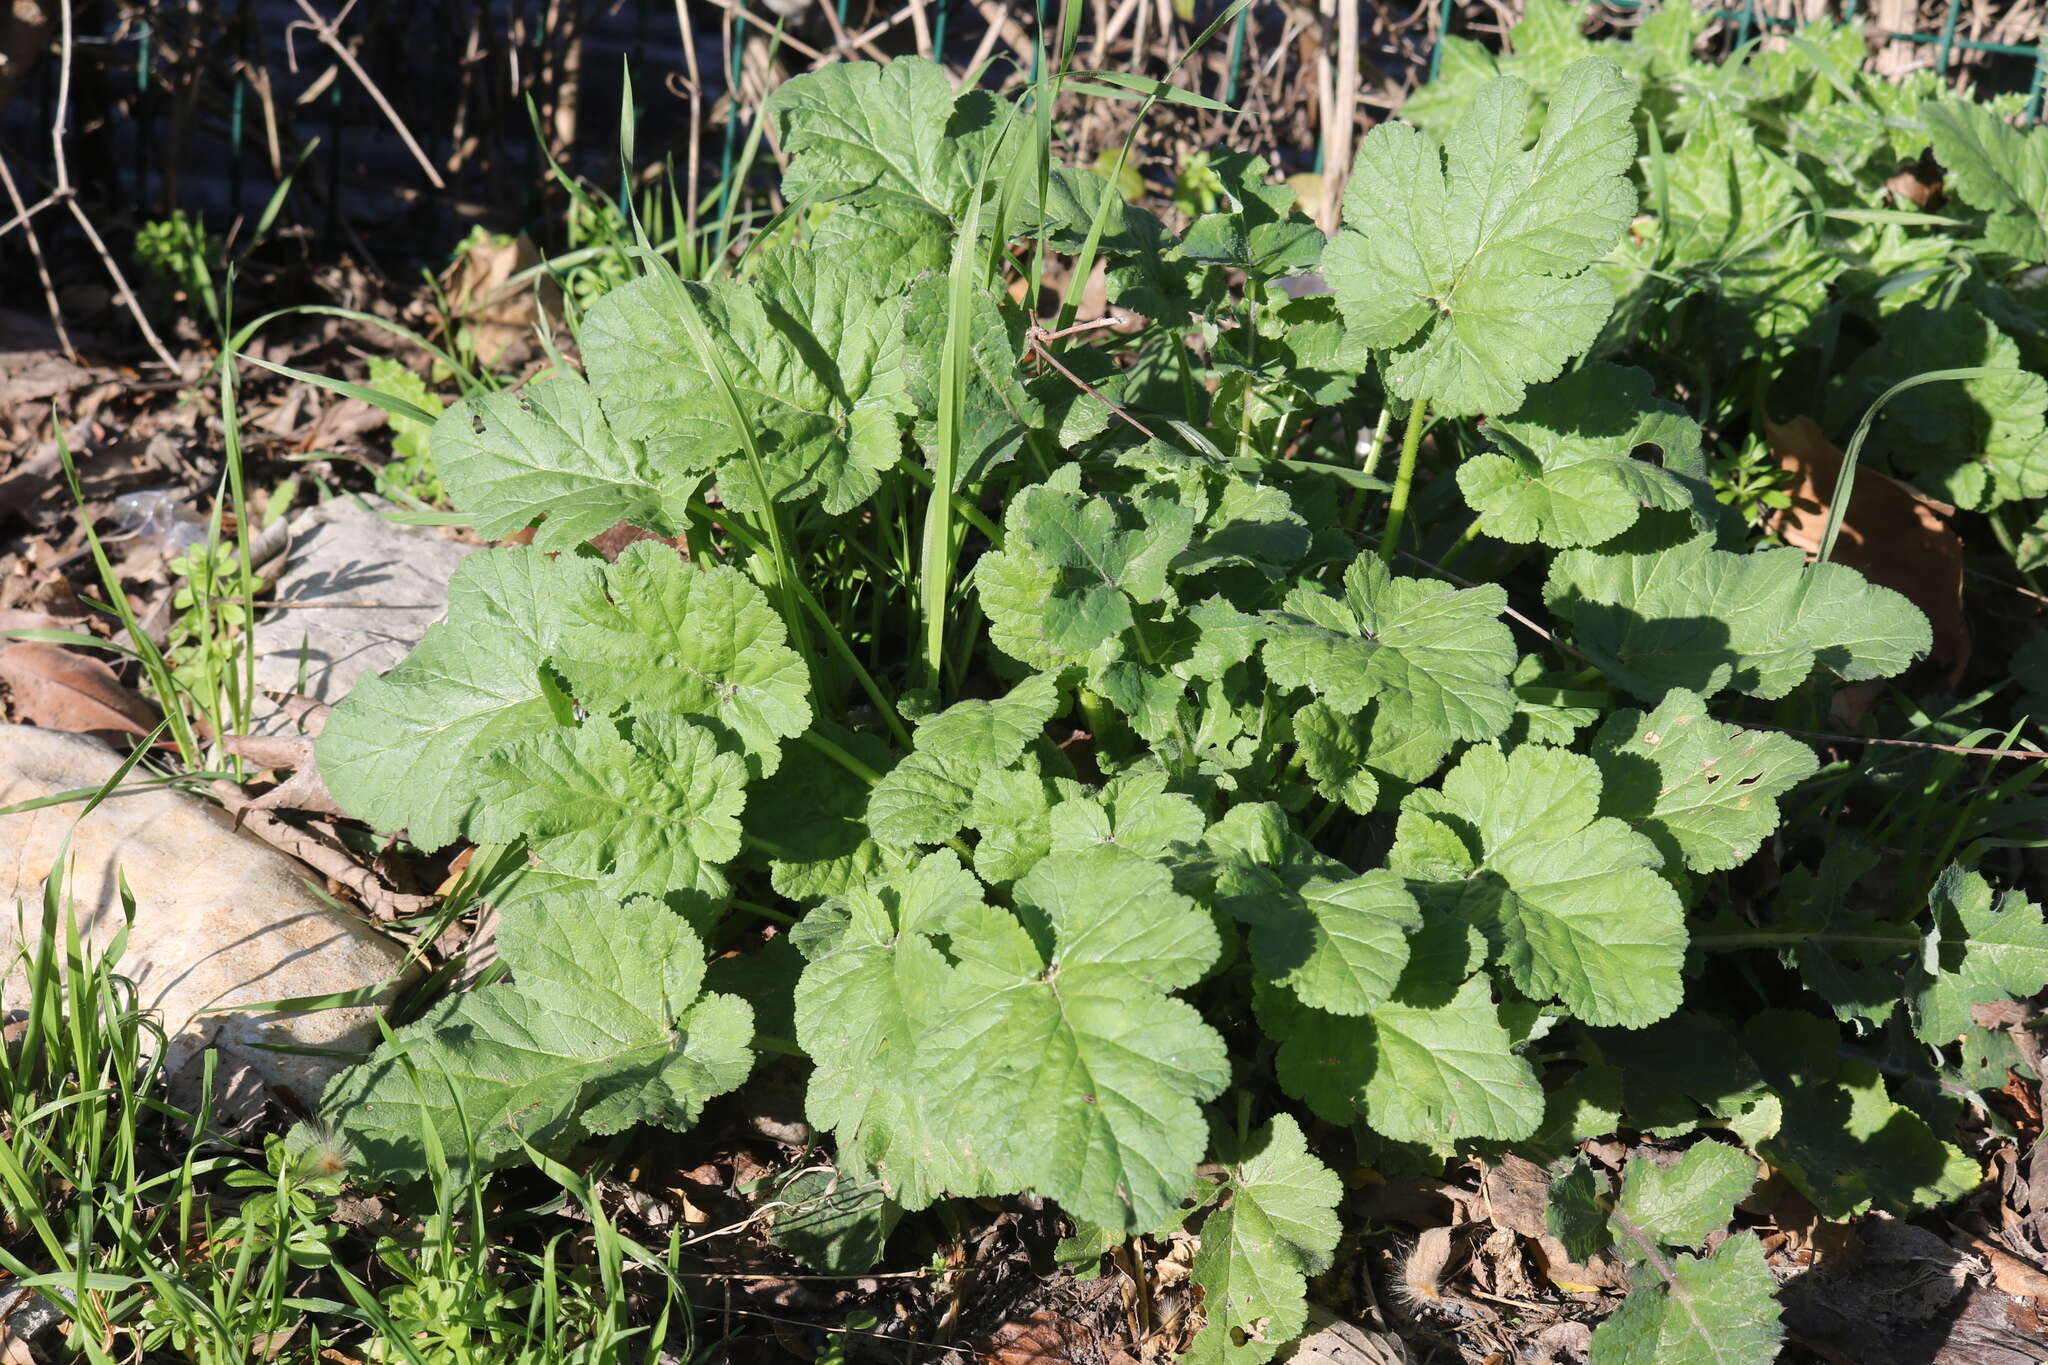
{"points": [[501, 315], [1044, 1338], [1896, 535], [59, 689], [24, 618], [1517, 1194], [1603, 1272], [303, 790], [2011, 1273], [282, 752], [1332, 1341], [1908, 185]]}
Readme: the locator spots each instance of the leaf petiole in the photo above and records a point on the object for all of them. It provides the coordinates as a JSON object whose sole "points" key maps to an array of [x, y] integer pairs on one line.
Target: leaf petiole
{"points": [[1404, 478], [841, 757]]}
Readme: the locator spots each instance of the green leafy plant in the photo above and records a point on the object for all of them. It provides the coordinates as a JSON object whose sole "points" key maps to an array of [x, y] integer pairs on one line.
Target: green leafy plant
{"points": [[409, 474], [205, 645], [184, 257], [1137, 796]]}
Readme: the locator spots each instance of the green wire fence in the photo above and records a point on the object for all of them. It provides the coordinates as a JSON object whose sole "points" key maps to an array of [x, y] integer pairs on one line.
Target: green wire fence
{"points": [[1751, 22], [414, 55]]}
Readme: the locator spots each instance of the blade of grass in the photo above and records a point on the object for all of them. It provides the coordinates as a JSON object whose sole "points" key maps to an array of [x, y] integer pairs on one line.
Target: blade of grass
{"points": [[154, 665], [1845, 482]]}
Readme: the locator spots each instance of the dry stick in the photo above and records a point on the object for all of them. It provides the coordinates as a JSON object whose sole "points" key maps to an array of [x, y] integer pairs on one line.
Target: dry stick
{"points": [[1114, 30], [874, 31], [921, 32], [324, 31], [1326, 99], [1510, 612], [845, 43], [259, 78], [921, 1273], [984, 48], [294, 604], [2030, 755], [460, 143], [26, 219], [121, 283], [1034, 340], [2000, 582], [328, 859], [70, 199], [22, 215], [561, 72], [1343, 113], [996, 14], [798, 44], [1166, 35], [696, 88]]}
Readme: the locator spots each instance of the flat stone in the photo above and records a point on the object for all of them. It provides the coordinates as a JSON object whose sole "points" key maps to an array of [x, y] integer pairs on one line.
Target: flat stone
{"points": [[362, 592], [221, 919], [28, 1327]]}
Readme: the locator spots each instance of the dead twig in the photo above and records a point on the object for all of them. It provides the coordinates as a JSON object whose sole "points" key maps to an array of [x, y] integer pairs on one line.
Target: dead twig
{"points": [[1034, 342], [324, 31], [323, 856], [745, 15], [26, 218], [1343, 116], [1968, 750], [65, 194]]}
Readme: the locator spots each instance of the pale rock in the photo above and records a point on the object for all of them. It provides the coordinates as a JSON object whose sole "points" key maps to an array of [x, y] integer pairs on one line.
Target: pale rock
{"points": [[363, 592], [221, 919]]}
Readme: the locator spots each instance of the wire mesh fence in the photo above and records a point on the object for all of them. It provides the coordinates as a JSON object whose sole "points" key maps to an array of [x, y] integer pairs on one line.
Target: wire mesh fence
{"points": [[398, 123], [1956, 37]]}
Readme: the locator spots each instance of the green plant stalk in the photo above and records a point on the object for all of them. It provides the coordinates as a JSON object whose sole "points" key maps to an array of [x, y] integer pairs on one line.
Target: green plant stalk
{"points": [[735, 176], [841, 757], [936, 554], [2003, 534], [1404, 479], [153, 663], [781, 564], [701, 515], [1084, 262], [964, 509], [1845, 482], [246, 583]]}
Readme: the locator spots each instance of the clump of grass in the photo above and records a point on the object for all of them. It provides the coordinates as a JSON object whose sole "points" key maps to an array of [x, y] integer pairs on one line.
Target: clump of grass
{"points": [[159, 1240]]}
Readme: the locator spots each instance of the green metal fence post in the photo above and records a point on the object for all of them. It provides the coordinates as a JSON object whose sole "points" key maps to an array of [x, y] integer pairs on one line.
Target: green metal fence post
{"points": [[1948, 38], [235, 112], [145, 114], [1443, 31], [1237, 28], [2040, 85]]}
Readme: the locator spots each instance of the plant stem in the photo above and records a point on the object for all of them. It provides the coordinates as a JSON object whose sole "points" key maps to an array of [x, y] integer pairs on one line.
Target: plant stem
{"points": [[1404, 478], [1379, 440], [964, 509], [841, 757], [1465, 538], [834, 641], [935, 559]]}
